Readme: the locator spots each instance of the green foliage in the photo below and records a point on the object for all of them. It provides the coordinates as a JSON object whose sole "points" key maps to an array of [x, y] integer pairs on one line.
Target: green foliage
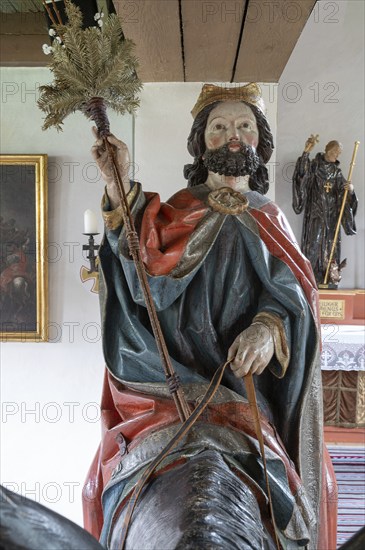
{"points": [[88, 63]]}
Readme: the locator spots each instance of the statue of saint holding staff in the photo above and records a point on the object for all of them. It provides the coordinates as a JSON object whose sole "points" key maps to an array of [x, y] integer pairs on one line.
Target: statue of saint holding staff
{"points": [[319, 188]]}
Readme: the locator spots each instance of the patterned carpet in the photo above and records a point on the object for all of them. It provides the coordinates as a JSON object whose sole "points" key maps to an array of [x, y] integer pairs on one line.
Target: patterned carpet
{"points": [[349, 465]]}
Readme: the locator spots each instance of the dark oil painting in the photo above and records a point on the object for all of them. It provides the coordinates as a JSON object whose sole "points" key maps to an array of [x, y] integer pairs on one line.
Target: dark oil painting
{"points": [[20, 205]]}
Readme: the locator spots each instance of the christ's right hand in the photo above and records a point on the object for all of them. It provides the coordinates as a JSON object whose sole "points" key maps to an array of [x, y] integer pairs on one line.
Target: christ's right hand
{"points": [[101, 157]]}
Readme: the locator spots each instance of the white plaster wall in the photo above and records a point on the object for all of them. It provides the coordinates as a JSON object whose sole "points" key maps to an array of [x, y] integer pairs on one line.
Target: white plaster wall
{"points": [[322, 91], [46, 453]]}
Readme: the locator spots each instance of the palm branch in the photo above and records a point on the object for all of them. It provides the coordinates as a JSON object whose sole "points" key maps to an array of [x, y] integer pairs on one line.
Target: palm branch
{"points": [[93, 68]]}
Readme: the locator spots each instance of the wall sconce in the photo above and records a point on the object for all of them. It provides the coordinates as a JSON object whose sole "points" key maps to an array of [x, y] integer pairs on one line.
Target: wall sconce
{"points": [[90, 230]]}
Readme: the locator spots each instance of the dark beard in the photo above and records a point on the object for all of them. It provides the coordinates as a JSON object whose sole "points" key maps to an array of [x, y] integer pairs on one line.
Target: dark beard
{"points": [[222, 161]]}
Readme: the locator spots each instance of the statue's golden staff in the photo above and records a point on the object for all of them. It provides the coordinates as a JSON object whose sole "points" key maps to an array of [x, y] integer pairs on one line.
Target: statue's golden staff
{"points": [[352, 164]]}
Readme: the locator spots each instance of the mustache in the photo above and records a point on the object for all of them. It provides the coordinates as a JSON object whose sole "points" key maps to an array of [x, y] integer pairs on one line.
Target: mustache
{"points": [[224, 162]]}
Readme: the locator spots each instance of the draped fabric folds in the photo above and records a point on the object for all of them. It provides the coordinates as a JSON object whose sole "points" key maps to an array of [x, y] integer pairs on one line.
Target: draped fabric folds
{"points": [[210, 275]]}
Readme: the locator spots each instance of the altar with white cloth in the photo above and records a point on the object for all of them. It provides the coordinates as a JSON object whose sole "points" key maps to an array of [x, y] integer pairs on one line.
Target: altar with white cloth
{"points": [[343, 375]]}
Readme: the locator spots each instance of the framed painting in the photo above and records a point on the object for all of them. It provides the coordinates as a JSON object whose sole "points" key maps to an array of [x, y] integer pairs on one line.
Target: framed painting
{"points": [[23, 239]]}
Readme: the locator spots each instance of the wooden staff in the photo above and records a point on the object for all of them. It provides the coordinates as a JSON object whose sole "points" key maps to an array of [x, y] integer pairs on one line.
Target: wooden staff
{"points": [[352, 164], [133, 243], [95, 109]]}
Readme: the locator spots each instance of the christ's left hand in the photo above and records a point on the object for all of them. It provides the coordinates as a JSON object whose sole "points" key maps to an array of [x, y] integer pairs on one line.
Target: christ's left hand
{"points": [[251, 351]]}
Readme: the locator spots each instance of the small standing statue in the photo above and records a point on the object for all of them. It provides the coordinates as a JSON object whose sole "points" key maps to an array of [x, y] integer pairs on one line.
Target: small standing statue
{"points": [[319, 187]]}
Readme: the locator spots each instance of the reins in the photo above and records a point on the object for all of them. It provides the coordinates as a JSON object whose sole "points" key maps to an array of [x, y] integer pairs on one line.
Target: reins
{"points": [[182, 432]]}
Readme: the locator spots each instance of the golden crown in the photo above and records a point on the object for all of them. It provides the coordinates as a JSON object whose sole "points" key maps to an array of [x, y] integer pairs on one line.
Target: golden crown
{"points": [[250, 93]]}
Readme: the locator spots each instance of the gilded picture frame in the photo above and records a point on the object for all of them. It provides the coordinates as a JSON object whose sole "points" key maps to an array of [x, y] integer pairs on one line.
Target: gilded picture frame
{"points": [[23, 238]]}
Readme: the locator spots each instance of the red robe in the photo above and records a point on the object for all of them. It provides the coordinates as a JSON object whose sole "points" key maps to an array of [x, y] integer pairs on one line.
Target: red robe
{"points": [[165, 231]]}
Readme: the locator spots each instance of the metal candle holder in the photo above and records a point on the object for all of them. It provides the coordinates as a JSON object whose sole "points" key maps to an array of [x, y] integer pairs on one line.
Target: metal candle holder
{"points": [[92, 248]]}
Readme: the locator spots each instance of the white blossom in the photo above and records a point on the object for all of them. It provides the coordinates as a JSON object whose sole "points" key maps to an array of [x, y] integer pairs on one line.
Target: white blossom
{"points": [[98, 16], [52, 32], [58, 39], [47, 49]]}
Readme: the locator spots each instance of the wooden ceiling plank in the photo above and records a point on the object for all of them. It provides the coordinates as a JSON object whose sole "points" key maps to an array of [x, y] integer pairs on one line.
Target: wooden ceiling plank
{"points": [[8, 6], [23, 23], [21, 38], [211, 32], [16, 6], [154, 26], [270, 33], [22, 51]]}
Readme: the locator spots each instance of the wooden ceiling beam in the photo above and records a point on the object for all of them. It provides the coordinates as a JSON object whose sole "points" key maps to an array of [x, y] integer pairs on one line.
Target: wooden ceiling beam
{"points": [[154, 26], [23, 23], [207, 32], [21, 39], [211, 32], [22, 51], [14, 6], [270, 33]]}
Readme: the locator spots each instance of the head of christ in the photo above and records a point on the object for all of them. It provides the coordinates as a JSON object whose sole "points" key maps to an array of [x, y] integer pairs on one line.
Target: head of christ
{"points": [[231, 138]]}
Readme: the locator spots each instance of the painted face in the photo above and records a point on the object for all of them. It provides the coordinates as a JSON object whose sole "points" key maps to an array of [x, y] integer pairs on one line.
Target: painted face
{"points": [[231, 122], [333, 153]]}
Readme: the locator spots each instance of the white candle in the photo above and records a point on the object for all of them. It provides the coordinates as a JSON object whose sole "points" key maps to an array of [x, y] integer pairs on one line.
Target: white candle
{"points": [[90, 222]]}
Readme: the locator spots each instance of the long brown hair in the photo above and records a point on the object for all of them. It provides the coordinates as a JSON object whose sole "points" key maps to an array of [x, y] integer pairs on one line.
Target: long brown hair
{"points": [[197, 173]]}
